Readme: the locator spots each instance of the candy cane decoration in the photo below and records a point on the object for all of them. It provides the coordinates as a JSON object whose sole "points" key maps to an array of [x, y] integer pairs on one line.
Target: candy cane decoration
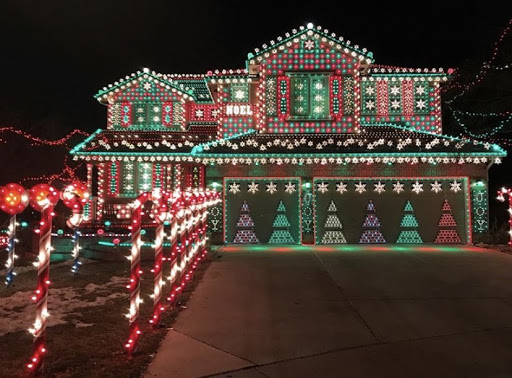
{"points": [[43, 198], [160, 201], [501, 197], [13, 200], [75, 196], [177, 213]]}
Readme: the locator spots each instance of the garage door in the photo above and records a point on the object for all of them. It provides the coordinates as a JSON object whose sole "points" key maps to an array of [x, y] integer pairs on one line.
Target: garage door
{"points": [[384, 210], [262, 210]]}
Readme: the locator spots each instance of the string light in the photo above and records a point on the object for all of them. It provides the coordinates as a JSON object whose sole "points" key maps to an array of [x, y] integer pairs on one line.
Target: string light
{"points": [[39, 141], [501, 197]]}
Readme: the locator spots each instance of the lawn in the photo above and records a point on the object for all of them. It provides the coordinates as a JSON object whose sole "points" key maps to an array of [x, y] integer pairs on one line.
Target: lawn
{"points": [[87, 327]]}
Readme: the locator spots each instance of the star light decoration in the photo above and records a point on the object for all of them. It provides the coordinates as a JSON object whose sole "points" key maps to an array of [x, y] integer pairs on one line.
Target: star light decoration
{"points": [[341, 188], [398, 187], [323, 187], [253, 187], [234, 188], [379, 187], [417, 187], [290, 187], [271, 187], [360, 187], [455, 186], [147, 86], [436, 186]]}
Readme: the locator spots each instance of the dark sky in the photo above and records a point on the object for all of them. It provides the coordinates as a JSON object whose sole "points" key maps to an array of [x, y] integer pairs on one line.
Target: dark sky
{"points": [[55, 55]]}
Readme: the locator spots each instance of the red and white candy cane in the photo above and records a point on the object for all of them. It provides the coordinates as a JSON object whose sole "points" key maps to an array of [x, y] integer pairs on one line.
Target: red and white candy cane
{"points": [[177, 215], [162, 213], [501, 197], [75, 196], [43, 198], [13, 200]]}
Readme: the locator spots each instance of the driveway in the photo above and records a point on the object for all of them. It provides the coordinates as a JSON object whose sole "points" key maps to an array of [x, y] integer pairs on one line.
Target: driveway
{"points": [[348, 311]]}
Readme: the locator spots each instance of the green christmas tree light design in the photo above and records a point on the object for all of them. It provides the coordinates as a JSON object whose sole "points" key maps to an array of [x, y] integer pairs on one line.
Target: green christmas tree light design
{"points": [[281, 227], [409, 224]]}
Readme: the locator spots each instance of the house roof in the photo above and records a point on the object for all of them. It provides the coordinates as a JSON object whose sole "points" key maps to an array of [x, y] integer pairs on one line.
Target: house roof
{"points": [[123, 83], [373, 144], [112, 142], [197, 87], [318, 31]]}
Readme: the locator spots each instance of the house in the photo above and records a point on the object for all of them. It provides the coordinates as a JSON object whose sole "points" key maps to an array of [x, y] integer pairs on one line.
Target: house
{"points": [[311, 142]]}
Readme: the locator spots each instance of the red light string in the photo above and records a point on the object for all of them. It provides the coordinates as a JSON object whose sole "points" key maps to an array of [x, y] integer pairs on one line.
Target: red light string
{"points": [[37, 141]]}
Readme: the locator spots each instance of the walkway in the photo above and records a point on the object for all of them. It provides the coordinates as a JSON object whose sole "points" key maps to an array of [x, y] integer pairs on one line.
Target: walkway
{"points": [[347, 311]]}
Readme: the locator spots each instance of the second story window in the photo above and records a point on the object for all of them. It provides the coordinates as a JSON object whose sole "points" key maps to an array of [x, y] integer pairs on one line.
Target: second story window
{"points": [[309, 96]]}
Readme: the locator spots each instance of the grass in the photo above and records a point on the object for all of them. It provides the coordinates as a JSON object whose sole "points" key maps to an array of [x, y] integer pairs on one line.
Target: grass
{"points": [[97, 350]]}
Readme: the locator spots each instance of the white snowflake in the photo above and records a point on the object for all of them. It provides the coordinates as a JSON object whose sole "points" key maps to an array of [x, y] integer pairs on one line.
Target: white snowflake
{"points": [[271, 187], [290, 187], [455, 186], [417, 187], [370, 104], [420, 90], [147, 86], [234, 188], [309, 44], [436, 186], [323, 187], [395, 90], [379, 187], [360, 187], [252, 187], [199, 113], [239, 94], [215, 113], [370, 90], [398, 187], [341, 188], [420, 104], [319, 85], [395, 104]]}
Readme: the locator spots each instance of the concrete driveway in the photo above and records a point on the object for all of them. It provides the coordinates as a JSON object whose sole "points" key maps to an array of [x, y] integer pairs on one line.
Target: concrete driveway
{"points": [[348, 311]]}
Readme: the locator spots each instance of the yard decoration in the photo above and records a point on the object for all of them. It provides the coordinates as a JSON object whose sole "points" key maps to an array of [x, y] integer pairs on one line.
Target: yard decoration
{"points": [[43, 198], [75, 196], [501, 197], [13, 200]]}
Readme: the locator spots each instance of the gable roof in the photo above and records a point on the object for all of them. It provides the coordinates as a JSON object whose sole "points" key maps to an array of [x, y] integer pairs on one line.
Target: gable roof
{"points": [[340, 43], [124, 83]]}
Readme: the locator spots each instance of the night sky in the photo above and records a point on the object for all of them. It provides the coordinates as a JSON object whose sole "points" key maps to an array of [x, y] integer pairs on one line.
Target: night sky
{"points": [[57, 54]]}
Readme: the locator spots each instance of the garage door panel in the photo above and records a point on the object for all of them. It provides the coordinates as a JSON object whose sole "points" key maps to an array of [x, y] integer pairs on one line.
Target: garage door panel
{"points": [[262, 210], [386, 200]]}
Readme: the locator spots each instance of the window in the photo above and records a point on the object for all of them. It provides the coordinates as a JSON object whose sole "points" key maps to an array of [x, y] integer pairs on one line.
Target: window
{"points": [[146, 114], [309, 96]]}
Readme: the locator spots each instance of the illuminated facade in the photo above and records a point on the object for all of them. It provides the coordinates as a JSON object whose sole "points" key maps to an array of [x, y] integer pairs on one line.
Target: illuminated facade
{"points": [[310, 124]]}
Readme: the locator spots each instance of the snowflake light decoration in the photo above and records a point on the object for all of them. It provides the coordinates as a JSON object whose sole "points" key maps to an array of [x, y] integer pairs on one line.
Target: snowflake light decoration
{"points": [[271, 187], [290, 187], [253, 187], [341, 188], [398, 187], [234, 188], [455, 186], [379, 187], [436, 186], [360, 187], [417, 187], [323, 187]]}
